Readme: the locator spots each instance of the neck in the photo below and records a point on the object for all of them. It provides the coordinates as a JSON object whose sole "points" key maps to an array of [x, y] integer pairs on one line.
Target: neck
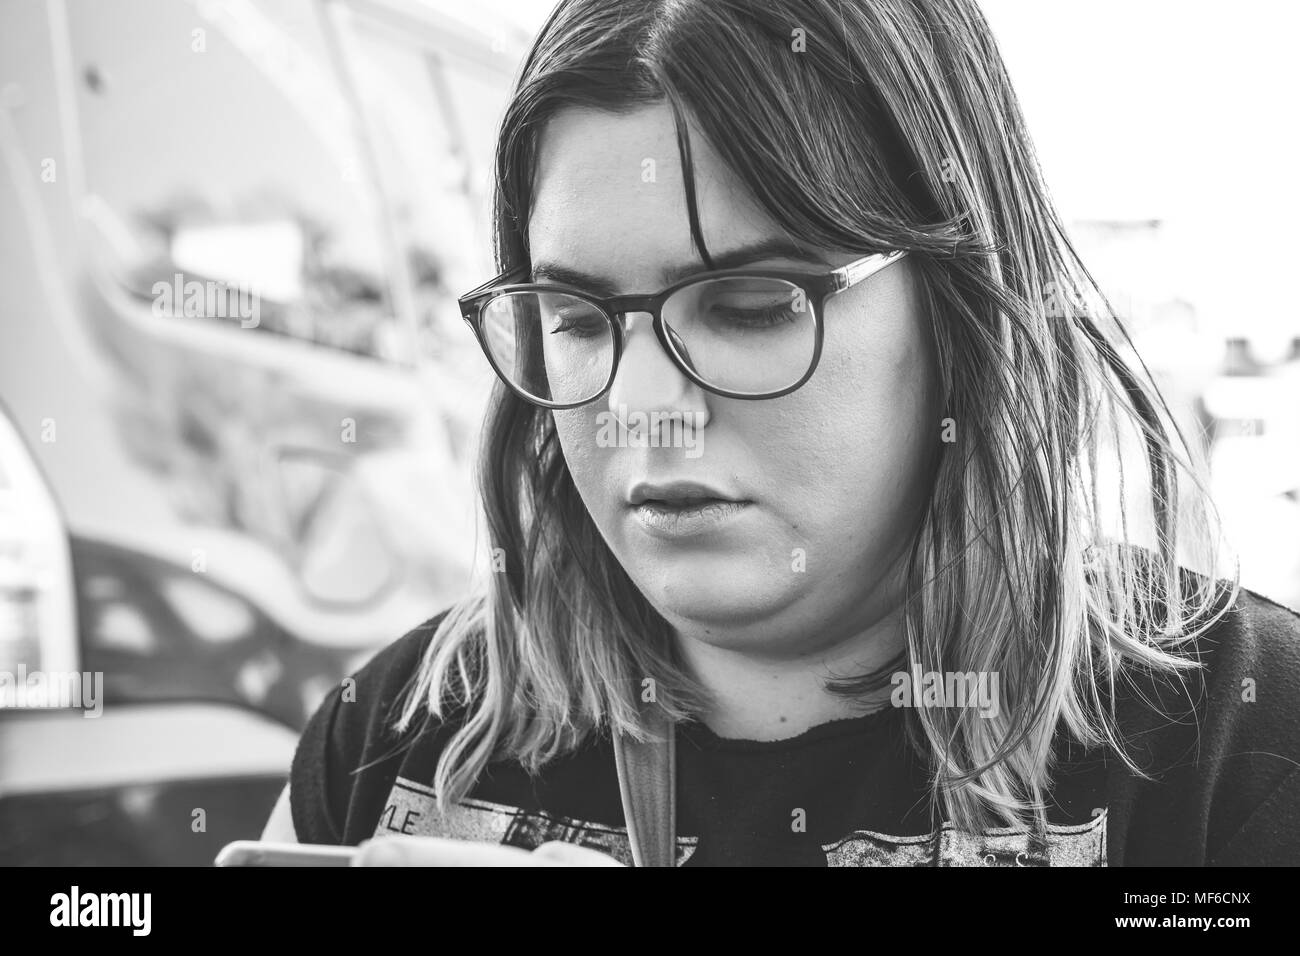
{"points": [[766, 697]]}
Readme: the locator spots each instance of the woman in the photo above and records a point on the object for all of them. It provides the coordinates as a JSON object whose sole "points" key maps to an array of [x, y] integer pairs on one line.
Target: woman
{"points": [[817, 447]]}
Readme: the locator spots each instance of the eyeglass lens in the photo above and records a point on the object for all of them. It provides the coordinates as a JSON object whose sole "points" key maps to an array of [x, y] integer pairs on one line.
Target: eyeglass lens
{"points": [[743, 334]]}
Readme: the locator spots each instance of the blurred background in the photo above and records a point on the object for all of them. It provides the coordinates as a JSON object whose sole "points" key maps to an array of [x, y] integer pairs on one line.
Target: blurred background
{"points": [[224, 502]]}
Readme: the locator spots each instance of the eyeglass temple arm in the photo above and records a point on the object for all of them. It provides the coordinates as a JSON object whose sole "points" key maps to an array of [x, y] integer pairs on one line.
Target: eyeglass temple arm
{"points": [[864, 268], [497, 280]]}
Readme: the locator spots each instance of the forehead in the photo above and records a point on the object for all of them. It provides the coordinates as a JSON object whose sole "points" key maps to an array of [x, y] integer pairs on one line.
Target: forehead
{"points": [[609, 197]]}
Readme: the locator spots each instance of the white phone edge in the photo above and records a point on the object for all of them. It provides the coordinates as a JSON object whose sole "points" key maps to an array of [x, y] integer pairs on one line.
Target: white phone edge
{"points": [[258, 853]]}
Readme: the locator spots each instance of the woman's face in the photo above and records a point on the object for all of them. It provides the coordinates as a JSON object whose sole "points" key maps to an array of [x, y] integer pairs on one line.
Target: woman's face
{"points": [[828, 479]]}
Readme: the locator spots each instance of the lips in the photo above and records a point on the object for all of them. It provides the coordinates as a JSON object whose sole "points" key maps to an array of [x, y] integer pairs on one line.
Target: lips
{"points": [[679, 494], [686, 513]]}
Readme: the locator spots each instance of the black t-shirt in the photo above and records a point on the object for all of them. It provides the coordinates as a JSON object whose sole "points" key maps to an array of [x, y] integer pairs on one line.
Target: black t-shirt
{"points": [[1224, 787]]}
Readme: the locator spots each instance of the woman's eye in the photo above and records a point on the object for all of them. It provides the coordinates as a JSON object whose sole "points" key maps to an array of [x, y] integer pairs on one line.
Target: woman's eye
{"points": [[580, 322], [753, 314]]}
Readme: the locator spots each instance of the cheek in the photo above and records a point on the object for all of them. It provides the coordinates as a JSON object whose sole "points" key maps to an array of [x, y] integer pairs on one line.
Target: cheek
{"points": [[589, 464], [877, 387], [856, 437]]}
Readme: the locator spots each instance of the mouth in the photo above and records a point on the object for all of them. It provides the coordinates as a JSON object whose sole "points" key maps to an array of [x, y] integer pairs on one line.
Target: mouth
{"points": [[679, 495], [688, 505], [683, 509]]}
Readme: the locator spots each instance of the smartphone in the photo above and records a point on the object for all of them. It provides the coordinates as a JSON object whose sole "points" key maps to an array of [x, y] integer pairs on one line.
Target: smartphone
{"points": [[256, 853]]}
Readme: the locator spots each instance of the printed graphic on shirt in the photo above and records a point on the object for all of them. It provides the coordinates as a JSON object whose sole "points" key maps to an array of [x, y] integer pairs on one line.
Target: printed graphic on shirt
{"points": [[412, 809], [1081, 845]]}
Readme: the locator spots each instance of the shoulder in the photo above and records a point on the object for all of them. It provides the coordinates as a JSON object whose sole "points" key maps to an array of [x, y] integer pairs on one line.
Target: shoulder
{"points": [[1252, 663], [1251, 671], [349, 749], [1257, 630], [1222, 743], [1250, 655], [369, 700]]}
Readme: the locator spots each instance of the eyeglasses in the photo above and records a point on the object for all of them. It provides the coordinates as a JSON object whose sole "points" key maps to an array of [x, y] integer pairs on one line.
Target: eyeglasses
{"points": [[739, 333]]}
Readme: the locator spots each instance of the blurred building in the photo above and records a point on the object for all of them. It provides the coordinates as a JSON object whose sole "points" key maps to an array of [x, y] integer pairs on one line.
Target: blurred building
{"points": [[1234, 388], [237, 402]]}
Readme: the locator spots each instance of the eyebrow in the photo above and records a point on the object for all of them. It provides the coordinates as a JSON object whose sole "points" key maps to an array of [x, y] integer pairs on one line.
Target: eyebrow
{"points": [[773, 248]]}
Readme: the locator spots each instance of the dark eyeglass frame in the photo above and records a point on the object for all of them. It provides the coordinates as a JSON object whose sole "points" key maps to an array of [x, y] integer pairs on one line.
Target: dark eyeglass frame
{"points": [[817, 288]]}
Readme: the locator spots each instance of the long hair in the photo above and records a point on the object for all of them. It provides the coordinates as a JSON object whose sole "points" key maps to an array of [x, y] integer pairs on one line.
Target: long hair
{"points": [[1043, 556]]}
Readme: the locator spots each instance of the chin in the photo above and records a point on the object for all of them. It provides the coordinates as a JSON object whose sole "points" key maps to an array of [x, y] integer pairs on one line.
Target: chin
{"points": [[694, 593]]}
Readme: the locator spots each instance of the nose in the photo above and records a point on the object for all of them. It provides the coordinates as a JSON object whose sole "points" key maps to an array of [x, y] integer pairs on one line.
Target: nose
{"points": [[648, 381]]}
